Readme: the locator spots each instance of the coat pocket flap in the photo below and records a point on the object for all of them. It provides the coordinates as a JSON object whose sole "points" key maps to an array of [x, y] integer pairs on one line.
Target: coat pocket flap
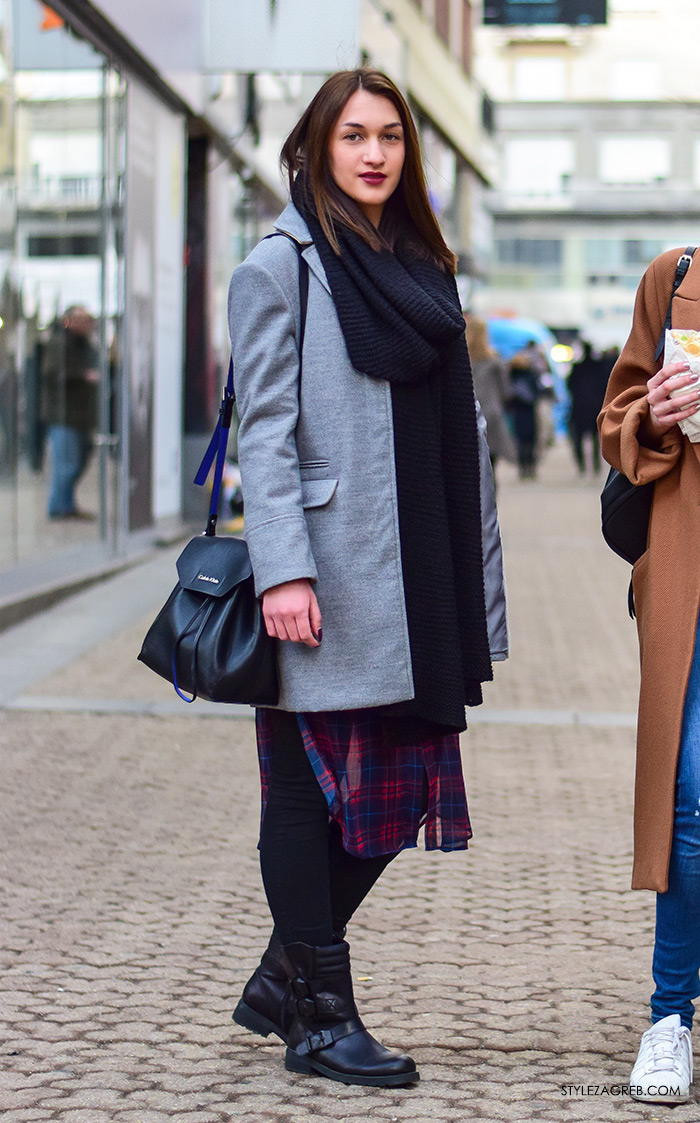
{"points": [[316, 493], [213, 565]]}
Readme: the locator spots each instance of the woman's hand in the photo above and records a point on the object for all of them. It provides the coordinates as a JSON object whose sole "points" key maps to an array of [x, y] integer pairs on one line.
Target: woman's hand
{"points": [[664, 411], [291, 612]]}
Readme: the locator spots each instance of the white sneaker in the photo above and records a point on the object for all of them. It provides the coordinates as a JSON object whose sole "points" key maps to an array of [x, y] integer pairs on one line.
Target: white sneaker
{"points": [[663, 1071]]}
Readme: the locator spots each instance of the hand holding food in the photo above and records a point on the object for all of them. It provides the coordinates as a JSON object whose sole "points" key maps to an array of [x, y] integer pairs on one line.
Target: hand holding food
{"points": [[683, 346]]}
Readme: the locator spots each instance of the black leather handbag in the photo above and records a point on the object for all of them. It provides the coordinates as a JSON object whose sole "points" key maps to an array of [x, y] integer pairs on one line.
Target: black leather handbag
{"points": [[626, 507], [209, 639]]}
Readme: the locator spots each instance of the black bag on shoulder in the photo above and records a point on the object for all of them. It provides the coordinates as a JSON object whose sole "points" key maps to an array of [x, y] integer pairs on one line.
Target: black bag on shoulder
{"points": [[626, 507], [209, 639]]}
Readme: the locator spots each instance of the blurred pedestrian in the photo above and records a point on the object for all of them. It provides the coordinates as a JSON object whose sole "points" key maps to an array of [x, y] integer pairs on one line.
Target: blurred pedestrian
{"points": [[364, 482], [641, 438], [587, 383], [69, 406], [492, 390], [527, 372]]}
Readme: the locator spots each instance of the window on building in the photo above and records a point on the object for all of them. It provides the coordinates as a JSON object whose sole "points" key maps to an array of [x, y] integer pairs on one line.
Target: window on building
{"points": [[614, 260], [63, 245], [442, 20], [488, 114], [634, 159], [603, 255], [467, 36], [540, 253], [642, 251], [539, 78], [573, 12], [537, 165], [635, 80]]}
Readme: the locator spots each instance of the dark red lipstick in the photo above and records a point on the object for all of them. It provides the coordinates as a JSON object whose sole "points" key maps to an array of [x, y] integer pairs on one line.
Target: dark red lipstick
{"points": [[373, 177]]}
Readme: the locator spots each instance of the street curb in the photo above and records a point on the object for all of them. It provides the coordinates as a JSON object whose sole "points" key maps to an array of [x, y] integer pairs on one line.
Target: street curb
{"points": [[21, 608]]}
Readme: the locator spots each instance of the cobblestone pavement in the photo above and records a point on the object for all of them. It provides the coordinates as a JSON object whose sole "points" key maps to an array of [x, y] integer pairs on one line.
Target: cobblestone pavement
{"points": [[133, 910]]}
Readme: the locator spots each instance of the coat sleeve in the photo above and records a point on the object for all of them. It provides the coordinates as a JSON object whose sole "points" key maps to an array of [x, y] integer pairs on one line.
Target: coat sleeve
{"points": [[494, 581], [262, 326], [626, 406]]}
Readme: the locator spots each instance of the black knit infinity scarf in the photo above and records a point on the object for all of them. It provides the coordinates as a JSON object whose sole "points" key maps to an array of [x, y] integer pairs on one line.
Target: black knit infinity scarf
{"points": [[401, 319]]}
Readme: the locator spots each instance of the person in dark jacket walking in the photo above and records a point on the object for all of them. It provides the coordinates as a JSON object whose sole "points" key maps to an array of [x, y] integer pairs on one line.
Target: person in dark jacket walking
{"points": [[369, 514], [69, 406], [527, 371], [587, 384]]}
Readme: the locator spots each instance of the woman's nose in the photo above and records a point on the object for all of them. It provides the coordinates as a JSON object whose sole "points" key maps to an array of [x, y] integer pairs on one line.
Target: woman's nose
{"points": [[373, 152]]}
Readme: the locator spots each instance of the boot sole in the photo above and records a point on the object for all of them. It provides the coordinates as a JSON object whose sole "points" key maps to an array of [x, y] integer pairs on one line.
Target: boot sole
{"points": [[294, 1063], [245, 1016]]}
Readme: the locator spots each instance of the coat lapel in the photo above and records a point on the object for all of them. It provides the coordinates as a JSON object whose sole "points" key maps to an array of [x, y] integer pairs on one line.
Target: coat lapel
{"points": [[291, 222]]}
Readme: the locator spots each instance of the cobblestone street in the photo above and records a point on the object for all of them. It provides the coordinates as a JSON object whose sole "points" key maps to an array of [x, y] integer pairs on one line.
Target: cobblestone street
{"points": [[133, 909]]}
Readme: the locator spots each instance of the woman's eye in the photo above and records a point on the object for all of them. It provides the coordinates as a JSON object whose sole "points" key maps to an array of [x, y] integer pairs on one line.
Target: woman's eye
{"points": [[351, 136], [392, 136]]}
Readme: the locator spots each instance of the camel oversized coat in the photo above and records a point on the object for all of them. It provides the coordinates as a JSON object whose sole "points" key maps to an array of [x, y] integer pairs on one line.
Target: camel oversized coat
{"points": [[666, 578]]}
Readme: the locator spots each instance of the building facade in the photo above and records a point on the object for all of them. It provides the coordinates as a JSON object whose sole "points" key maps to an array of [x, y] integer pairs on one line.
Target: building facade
{"points": [[599, 162]]}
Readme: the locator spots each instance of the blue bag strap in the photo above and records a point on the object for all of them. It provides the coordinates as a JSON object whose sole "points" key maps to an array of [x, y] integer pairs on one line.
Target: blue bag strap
{"points": [[216, 449], [684, 263]]}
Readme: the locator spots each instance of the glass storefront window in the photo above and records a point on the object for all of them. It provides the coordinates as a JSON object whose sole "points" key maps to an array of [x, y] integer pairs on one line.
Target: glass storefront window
{"points": [[61, 288]]}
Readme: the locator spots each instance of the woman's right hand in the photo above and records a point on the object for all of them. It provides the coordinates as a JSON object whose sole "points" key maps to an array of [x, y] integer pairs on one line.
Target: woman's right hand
{"points": [[664, 411], [291, 612]]}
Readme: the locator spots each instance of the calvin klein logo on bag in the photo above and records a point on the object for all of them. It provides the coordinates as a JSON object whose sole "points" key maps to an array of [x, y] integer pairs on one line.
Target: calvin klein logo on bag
{"points": [[203, 577]]}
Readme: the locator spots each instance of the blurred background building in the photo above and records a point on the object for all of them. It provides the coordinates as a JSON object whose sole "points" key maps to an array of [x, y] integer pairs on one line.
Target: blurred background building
{"points": [[598, 135], [138, 166], [139, 151]]}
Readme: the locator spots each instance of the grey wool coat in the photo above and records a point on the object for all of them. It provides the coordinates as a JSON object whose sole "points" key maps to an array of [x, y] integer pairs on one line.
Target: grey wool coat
{"points": [[319, 485]]}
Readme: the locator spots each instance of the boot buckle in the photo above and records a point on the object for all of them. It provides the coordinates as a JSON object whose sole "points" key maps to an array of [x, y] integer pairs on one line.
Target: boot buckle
{"points": [[314, 1041]]}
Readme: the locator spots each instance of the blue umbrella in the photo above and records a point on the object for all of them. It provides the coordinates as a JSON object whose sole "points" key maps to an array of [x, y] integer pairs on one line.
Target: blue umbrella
{"points": [[507, 335]]}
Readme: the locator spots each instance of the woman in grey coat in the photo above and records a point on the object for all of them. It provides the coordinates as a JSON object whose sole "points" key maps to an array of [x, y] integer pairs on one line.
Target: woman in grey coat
{"points": [[374, 542]]}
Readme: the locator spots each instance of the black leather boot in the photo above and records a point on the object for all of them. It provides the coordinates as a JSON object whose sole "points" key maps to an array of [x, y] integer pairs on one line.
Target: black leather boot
{"points": [[326, 1034], [264, 1005]]}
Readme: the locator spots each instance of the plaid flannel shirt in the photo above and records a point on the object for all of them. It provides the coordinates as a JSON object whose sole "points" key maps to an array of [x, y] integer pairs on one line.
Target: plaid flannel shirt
{"points": [[374, 788]]}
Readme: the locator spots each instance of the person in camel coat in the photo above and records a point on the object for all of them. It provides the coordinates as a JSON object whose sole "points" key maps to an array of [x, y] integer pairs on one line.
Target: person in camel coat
{"points": [[640, 437]]}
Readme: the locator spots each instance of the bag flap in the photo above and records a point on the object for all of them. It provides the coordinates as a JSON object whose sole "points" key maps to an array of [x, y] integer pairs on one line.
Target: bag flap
{"points": [[213, 565]]}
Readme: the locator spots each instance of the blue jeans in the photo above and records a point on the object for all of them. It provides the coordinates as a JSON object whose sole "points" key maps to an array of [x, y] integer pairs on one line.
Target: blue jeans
{"points": [[70, 452], [677, 947]]}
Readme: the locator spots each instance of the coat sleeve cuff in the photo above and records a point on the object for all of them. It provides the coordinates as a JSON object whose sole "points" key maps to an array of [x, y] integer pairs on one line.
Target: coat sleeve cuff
{"points": [[640, 463], [280, 551]]}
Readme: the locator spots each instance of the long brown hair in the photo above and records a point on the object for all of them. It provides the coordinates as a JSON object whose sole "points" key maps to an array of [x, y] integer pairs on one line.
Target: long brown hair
{"points": [[407, 216], [478, 340]]}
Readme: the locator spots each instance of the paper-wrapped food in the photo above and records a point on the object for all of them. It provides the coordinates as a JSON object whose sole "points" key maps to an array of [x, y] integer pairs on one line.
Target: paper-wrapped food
{"points": [[683, 346]]}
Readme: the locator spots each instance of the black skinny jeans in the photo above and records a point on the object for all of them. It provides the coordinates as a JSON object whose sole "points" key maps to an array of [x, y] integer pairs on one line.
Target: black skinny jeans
{"points": [[313, 885]]}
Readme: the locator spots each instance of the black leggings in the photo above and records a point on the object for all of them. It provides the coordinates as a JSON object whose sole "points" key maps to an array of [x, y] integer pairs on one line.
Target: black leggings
{"points": [[313, 885]]}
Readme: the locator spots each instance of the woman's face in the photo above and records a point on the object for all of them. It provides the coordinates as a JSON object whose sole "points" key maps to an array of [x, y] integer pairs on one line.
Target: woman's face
{"points": [[367, 150]]}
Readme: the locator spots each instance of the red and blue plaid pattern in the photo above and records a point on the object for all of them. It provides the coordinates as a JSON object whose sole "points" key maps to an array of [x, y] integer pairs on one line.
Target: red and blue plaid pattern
{"points": [[374, 787]]}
